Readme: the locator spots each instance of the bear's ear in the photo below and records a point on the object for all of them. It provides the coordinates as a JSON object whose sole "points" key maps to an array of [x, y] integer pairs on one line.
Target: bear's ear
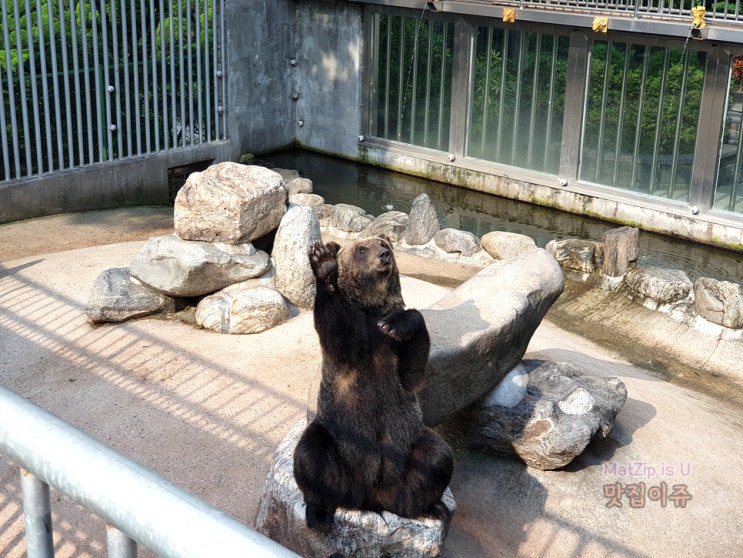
{"points": [[386, 238]]}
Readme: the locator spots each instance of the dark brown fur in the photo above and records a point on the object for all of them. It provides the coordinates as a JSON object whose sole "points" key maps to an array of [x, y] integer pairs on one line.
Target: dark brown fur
{"points": [[368, 448]]}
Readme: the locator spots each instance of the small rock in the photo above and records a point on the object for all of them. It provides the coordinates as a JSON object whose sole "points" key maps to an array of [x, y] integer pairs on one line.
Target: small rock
{"points": [[562, 412], [454, 240], [310, 200], [720, 302], [393, 224], [287, 175], [621, 247], [190, 268], [230, 203], [362, 534], [423, 223], [117, 297], [663, 286], [349, 218], [510, 390], [297, 232], [249, 311], [502, 245], [300, 186]]}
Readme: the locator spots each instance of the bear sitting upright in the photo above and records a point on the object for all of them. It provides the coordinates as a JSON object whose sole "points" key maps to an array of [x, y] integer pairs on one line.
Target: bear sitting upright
{"points": [[367, 448]]}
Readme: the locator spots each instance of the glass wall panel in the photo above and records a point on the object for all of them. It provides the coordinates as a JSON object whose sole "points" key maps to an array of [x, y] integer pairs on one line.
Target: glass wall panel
{"points": [[729, 187], [412, 80], [518, 98], [642, 110]]}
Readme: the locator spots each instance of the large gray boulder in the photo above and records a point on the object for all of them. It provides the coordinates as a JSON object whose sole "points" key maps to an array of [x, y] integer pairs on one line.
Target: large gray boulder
{"points": [[190, 268], [117, 297], [503, 245], [297, 232], [561, 412], [480, 330], [423, 223], [242, 311], [720, 302], [393, 224], [455, 241], [349, 218], [361, 534], [230, 203]]}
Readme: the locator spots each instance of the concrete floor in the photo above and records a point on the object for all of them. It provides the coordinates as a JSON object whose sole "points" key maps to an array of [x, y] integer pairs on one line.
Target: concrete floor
{"points": [[206, 411]]}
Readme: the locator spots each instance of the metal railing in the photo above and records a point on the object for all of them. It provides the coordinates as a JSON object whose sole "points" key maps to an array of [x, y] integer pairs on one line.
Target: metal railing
{"points": [[90, 82], [138, 506]]}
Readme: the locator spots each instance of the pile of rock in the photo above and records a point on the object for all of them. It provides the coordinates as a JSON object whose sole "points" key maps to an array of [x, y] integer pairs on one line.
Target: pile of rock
{"points": [[219, 216], [611, 264]]}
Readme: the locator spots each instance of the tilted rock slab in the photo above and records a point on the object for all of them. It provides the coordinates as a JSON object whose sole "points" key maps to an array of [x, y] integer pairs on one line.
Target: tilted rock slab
{"points": [[392, 223], [230, 203], [502, 244], [361, 534], [621, 248], [117, 297], [660, 285], [562, 412], [454, 240], [575, 255], [242, 311], [480, 330], [349, 218], [190, 268], [298, 231], [423, 223]]}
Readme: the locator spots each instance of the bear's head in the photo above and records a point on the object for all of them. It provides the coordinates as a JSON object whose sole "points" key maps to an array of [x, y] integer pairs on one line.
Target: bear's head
{"points": [[368, 276]]}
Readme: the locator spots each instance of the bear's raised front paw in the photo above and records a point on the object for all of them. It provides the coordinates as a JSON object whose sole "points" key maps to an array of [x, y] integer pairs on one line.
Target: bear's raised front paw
{"points": [[323, 261], [319, 518], [401, 325]]}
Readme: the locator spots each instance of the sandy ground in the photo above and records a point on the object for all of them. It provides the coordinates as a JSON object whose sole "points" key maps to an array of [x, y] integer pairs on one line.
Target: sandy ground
{"points": [[206, 411]]}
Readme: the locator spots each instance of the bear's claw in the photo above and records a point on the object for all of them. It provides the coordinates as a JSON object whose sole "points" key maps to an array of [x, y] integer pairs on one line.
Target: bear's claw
{"points": [[323, 261]]}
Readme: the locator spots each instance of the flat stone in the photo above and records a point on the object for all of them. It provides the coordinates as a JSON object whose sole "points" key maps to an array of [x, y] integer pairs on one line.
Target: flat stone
{"points": [[300, 186], [720, 302], [502, 244], [364, 534], [229, 203], [311, 200], [117, 297], [480, 330], [242, 311], [573, 254], [298, 231], [191, 268], [393, 224], [456, 241], [349, 218], [663, 286], [423, 222], [621, 248], [562, 412]]}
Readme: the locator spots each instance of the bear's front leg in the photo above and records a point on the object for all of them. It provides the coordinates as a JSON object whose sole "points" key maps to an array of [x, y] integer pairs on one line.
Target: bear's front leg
{"points": [[324, 263], [408, 329]]}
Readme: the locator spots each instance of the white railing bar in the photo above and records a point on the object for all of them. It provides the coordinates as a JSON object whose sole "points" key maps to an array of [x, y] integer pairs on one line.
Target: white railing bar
{"points": [[145, 507]]}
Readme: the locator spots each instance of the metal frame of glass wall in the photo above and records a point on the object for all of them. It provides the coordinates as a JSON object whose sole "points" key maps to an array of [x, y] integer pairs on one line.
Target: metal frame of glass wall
{"points": [[646, 119]]}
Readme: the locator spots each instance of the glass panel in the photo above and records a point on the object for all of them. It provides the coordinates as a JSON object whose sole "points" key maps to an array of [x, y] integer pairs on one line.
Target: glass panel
{"points": [[729, 187], [518, 98], [642, 109], [411, 89]]}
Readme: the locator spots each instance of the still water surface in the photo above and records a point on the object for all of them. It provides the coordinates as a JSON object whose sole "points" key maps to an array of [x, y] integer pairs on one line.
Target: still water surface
{"points": [[379, 190]]}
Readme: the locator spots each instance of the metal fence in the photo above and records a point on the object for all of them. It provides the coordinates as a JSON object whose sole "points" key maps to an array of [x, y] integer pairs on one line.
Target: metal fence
{"points": [[87, 82], [138, 506]]}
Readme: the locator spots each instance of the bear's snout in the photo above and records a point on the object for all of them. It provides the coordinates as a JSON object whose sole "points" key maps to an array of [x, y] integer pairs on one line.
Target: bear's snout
{"points": [[385, 256]]}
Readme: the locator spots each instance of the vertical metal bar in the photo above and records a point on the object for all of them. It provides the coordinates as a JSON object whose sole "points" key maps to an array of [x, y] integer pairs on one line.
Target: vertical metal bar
{"points": [[116, 62], [388, 78], [574, 117], [217, 67], [146, 82], [22, 88], [37, 516], [101, 124], [223, 82], [517, 109], [442, 87], [679, 121], [401, 81], [68, 131], [189, 82], [429, 65], [80, 129], [208, 69], [414, 95], [34, 90], [533, 108], [199, 76], [461, 85], [550, 103], [620, 118], [486, 91], [164, 84], [12, 113], [119, 545], [181, 74], [58, 133], [638, 121], [506, 38], [659, 123], [173, 82], [602, 117]]}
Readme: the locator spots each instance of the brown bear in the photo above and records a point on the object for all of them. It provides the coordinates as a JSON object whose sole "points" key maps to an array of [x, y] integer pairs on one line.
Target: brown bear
{"points": [[367, 448]]}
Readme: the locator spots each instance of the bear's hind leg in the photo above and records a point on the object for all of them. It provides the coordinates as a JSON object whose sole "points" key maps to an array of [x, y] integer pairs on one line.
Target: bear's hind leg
{"points": [[428, 473], [320, 475]]}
